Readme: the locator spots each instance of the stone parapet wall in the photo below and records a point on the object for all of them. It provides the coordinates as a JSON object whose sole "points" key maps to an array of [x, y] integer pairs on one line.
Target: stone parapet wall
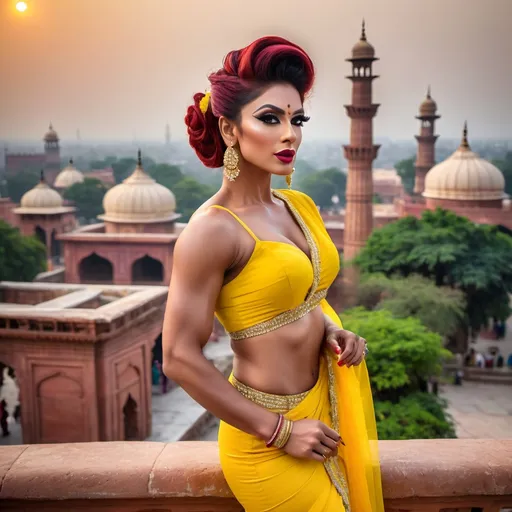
{"points": [[420, 475]]}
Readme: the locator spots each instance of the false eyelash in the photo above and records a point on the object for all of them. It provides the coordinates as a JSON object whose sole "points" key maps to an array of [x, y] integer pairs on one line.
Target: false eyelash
{"points": [[302, 119]]}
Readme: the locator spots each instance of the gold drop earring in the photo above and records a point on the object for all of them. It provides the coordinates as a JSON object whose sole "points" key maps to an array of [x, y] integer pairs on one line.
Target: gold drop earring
{"points": [[289, 178], [231, 158]]}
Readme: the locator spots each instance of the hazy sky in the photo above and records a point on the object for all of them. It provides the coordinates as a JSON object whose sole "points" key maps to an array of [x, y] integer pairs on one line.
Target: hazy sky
{"points": [[116, 69]]}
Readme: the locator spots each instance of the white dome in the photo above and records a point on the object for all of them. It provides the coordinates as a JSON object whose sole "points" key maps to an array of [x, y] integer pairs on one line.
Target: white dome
{"points": [[41, 196], [465, 176], [68, 176], [139, 199]]}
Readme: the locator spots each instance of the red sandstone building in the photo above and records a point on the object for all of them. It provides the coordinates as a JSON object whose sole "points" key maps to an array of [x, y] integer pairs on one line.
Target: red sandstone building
{"points": [[49, 160], [135, 242], [42, 213], [82, 358]]}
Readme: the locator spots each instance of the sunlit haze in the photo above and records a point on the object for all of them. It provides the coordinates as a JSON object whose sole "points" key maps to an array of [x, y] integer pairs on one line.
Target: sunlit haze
{"points": [[118, 70]]}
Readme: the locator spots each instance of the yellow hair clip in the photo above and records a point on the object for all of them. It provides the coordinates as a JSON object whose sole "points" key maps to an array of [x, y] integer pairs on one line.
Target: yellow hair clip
{"points": [[205, 101]]}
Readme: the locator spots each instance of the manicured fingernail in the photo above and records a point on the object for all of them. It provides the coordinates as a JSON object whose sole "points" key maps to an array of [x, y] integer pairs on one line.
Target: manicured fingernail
{"points": [[340, 363], [338, 350]]}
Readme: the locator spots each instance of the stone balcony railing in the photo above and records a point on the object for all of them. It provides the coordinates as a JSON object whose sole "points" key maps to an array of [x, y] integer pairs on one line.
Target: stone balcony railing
{"points": [[433, 475]]}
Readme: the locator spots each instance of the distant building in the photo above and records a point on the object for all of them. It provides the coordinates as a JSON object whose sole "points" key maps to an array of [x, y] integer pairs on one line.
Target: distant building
{"points": [[49, 161], [68, 177], [135, 242]]}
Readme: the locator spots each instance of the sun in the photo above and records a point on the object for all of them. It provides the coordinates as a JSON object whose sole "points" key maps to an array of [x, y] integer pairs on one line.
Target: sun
{"points": [[21, 6]]}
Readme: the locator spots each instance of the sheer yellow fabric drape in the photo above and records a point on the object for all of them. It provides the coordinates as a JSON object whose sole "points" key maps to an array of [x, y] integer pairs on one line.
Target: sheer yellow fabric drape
{"points": [[359, 432]]}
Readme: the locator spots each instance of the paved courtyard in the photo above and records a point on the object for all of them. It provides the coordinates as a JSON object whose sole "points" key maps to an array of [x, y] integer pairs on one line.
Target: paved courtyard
{"points": [[480, 410]]}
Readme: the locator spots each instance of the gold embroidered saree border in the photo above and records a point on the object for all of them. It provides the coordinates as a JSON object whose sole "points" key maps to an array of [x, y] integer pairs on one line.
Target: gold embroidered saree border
{"points": [[280, 320], [276, 403], [332, 465]]}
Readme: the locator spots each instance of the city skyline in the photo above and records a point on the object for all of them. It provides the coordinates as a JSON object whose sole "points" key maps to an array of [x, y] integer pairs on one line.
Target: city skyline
{"points": [[118, 73]]}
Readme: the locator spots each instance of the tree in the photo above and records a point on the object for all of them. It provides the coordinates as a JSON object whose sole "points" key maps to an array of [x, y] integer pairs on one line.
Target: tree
{"points": [[451, 251], [165, 174], [21, 182], [403, 355], [88, 197], [190, 195], [321, 186], [123, 168], [406, 171], [505, 166], [441, 309], [21, 257], [403, 352]]}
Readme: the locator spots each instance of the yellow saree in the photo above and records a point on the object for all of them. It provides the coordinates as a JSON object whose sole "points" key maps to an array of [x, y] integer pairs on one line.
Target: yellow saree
{"points": [[268, 479]]}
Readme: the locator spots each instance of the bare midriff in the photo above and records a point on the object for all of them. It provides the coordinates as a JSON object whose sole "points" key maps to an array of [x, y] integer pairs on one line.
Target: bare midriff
{"points": [[284, 361]]}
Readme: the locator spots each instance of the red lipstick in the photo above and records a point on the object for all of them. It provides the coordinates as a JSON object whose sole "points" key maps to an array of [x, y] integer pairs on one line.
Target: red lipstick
{"points": [[286, 155]]}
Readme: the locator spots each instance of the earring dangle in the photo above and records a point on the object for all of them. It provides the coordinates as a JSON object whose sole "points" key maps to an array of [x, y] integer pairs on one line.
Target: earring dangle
{"points": [[289, 178], [231, 170]]}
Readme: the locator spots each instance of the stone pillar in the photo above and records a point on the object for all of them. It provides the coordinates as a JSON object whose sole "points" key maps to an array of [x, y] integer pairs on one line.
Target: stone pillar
{"points": [[426, 157]]}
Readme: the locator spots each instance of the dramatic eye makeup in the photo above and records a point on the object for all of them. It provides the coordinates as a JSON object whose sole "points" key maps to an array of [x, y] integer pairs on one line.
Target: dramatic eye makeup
{"points": [[269, 114]]}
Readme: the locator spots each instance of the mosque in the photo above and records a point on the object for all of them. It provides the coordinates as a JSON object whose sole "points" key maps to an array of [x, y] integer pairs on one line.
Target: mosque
{"points": [[85, 326]]}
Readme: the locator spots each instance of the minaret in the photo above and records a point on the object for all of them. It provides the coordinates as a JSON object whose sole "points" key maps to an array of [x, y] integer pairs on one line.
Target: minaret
{"points": [[426, 157], [167, 135], [361, 151], [52, 154]]}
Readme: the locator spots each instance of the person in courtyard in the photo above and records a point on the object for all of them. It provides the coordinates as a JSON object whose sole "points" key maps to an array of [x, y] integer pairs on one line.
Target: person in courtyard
{"points": [[297, 430]]}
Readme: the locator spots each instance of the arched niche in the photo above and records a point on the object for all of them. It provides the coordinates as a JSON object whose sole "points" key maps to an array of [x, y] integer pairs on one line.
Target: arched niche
{"points": [[147, 270], [95, 270]]}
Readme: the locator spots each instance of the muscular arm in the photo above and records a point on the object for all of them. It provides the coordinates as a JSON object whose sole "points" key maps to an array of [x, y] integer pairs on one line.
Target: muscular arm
{"points": [[205, 249]]}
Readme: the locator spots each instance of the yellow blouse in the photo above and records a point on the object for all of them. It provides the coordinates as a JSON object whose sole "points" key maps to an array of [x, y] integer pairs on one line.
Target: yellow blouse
{"points": [[279, 284]]}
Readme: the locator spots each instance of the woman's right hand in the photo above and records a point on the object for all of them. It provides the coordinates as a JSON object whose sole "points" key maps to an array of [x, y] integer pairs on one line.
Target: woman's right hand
{"points": [[312, 439]]}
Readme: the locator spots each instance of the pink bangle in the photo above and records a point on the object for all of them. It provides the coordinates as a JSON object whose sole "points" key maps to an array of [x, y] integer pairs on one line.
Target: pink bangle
{"points": [[279, 425]]}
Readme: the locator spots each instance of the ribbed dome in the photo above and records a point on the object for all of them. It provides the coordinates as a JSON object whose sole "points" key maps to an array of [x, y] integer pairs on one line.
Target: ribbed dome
{"points": [[41, 196], [428, 106], [139, 199], [363, 49], [465, 176], [68, 176], [51, 135]]}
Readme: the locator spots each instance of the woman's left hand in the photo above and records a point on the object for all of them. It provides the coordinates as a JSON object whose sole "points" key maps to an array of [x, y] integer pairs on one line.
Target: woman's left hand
{"points": [[350, 348]]}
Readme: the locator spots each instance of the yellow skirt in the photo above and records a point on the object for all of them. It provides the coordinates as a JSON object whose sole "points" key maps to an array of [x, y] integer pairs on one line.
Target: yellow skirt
{"points": [[268, 479]]}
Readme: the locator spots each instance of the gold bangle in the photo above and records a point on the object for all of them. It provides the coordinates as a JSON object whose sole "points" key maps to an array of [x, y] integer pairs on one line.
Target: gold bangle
{"points": [[284, 434]]}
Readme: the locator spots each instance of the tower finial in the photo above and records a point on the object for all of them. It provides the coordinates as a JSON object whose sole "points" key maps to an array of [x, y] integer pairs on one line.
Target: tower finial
{"points": [[139, 158], [363, 31], [41, 179], [51, 126], [70, 161], [464, 143], [428, 92]]}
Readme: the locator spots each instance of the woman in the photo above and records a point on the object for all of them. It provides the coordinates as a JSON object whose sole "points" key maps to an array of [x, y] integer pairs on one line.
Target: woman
{"points": [[297, 414]]}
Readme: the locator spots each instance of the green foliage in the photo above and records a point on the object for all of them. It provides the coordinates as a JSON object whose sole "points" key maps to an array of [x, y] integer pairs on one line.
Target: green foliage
{"points": [[190, 195], [21, 257], [440, 309], [406, 171], [505, 166], [417, 416], [451, 251], [165, 174], [88, 197], [321, 186], [403, 353], [123, 168], [21, 182]]}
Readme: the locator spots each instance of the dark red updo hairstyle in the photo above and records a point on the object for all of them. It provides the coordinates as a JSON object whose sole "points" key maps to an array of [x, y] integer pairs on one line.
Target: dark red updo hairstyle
{"points": [[244, 76]]}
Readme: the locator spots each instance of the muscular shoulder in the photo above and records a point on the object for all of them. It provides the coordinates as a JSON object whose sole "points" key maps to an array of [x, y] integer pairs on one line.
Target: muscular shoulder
{"points": [[208, 238]]}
